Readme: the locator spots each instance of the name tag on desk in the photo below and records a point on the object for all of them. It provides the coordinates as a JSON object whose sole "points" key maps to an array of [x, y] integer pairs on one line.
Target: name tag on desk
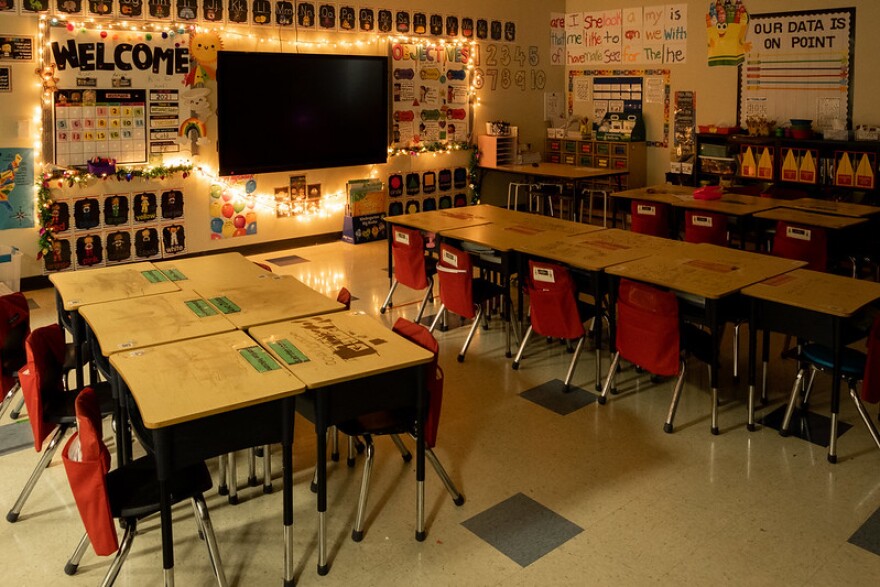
{"points": [[259, 359], [288, 352], [200, 308], [154, 276]]}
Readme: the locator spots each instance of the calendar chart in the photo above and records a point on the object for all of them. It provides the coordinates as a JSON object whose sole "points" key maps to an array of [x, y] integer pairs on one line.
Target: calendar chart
{"points": [[110, 124]]}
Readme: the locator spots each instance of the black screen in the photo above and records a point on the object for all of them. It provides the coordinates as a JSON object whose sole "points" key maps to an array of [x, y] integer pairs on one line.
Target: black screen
{"points": [[290, 111]]}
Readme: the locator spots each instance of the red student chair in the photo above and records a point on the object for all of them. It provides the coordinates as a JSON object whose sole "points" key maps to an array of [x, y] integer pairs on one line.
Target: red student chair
{"points": [[554, 311], [15, 326], [855, 366], [650, 218], [50, 406], [461, 292], [402, 420], [412, 267], [705, 227], [128, 493], [801, 243], [649, 334]]}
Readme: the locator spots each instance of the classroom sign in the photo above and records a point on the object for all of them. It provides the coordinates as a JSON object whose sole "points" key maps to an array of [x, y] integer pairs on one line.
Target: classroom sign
{"points": [[16, 188], [625, 36]]}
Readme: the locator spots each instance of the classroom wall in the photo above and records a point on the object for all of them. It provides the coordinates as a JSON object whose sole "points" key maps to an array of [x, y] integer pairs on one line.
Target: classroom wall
{"points": [[716, 87], [508, 95]]}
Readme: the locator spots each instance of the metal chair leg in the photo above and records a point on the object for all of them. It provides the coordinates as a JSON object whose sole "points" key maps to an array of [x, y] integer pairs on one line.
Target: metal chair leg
{"points": [[252, 468], [204, 521], [429, 293], [121, 554], [73, 562], [609, 379], [470, 335], [7, 399], [437, 318], [789, 410], [577, 353], [233, 480], [809, 386], [522, 347], [387, 301], [357, 533], [42, 465], [404, 452], [223, 485], [676, 396], [16, 411], [457, 497], [866, 418], [267, 469]]}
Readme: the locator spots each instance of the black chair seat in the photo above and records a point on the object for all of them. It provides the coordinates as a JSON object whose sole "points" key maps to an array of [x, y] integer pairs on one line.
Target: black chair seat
{"points": [[60, 409], [134, 489], [380, 423], [852, 361]]}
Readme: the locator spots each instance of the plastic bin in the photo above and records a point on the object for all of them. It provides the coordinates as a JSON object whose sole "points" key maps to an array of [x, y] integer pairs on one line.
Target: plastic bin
{"points": [[10, 267]]}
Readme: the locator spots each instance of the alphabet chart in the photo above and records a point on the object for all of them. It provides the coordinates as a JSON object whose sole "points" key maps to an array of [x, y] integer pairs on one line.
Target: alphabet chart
{"points": [[93, 123]]}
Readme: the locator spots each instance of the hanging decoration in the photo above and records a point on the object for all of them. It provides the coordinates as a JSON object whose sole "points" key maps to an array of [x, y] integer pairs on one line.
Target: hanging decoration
{"points": [[727, 25]]}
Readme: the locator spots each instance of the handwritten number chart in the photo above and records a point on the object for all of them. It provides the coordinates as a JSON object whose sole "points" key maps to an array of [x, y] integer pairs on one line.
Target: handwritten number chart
{"points": [[100, 123], [505, 66]]}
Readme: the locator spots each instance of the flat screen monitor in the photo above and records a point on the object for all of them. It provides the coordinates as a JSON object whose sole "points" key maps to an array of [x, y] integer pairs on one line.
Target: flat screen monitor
{"points": [[294, 111]]}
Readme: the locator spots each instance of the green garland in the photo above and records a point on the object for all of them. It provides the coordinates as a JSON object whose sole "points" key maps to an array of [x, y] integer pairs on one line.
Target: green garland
{"points": [[83, 178], [473, 175], [435, 147]]}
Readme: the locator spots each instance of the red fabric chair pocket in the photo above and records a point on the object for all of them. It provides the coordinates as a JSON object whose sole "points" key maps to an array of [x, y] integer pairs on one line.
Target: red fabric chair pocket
{"points": [[455, 274], [408, 250], [650, 218], [871, 380], [86, 479], [418, 334], [647, 328], [802, 243], [552, 302], [705, 227], [14, 330]]}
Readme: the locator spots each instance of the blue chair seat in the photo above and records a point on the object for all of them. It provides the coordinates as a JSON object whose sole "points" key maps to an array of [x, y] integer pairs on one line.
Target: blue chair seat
{"points": [[853, 361]]}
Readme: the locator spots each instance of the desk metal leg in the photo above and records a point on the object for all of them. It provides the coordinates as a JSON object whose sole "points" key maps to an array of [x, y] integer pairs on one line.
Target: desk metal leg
{"points": [[321, 430], [287, 419], [712, 314], [835, 390], [597, 328], [753, 341], [422, 411], [162, 458]]}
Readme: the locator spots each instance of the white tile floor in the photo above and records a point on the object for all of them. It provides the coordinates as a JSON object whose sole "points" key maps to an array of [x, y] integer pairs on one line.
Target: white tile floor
{"points": [[687, 508]]}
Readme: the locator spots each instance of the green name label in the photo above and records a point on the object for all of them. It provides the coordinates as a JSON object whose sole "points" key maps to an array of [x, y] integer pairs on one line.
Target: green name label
{"points": [[288, 353], [154, 276], [200, 308], [174, 275], [259, 359], [225, 305]]}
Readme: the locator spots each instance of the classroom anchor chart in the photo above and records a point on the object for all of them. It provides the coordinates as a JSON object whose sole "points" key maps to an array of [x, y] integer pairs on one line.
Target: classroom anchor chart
{"points": [[626, 36]]}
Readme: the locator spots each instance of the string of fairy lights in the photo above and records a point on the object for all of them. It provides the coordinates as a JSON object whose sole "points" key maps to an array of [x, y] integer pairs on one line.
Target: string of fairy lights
{"points": [[272, 39]]}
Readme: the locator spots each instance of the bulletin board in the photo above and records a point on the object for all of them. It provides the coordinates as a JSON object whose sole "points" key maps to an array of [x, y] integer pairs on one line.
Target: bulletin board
{"points": [[430, 85], [593, 92], [799, 66]]}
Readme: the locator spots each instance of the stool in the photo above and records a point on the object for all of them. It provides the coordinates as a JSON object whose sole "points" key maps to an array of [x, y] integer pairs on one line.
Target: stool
{"points": [[543, 192], [590, 193], [513, 191]]}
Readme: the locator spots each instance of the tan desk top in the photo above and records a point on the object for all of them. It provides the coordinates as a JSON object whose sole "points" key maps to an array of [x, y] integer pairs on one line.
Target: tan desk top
{"points": [[661, 194], [600, 249], [559, 170], [219, 270], [704, 270], [329, 349], [147, 321], [820, 292], [107, 284], [729, 204], [513, 234], [440, 220], [798, 216], [191, 379], [270, 300], [829, 207]]}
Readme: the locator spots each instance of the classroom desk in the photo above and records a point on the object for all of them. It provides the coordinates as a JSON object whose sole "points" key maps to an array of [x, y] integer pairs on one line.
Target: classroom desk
{"points": [[592, 253], [351, 365], [75, 289], [682, 197], [708, 272], [215, 271], [146, 321], [269, 300], [811, 218], [208, 396], [814, 306], [831, 207], [508, 231]]}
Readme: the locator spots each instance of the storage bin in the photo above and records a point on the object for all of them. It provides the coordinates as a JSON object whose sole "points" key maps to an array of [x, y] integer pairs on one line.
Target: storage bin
{"points": [[10, 267]]}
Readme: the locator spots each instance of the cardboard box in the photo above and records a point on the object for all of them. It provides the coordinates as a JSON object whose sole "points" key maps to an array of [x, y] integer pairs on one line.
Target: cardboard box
{"points": [[363, 229]]}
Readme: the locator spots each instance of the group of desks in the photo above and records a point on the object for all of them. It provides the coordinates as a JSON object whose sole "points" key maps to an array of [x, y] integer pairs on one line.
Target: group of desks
{"points": [[717, 283], [212, 354]]}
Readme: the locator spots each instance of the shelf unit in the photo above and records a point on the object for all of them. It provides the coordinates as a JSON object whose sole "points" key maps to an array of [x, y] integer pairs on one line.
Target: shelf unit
{"points": [[602, 154], [497, 150]]}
